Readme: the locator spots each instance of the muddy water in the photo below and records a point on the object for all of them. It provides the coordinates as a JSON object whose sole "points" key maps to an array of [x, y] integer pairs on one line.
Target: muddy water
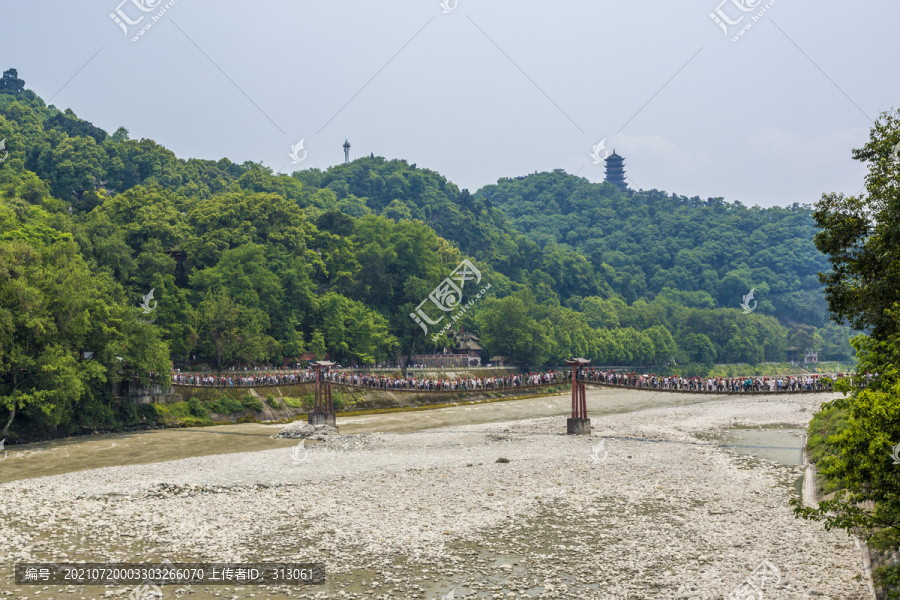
{"points": [[107, 450], [783, 444], [780, 444]]}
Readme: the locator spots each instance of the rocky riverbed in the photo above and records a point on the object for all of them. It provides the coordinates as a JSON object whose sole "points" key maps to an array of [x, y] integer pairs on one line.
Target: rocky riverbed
{"points": [[649, 506], [298, 430]]}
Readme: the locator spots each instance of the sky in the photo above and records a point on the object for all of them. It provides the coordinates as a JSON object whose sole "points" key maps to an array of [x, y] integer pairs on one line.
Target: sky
{"points": [[479, 91]]}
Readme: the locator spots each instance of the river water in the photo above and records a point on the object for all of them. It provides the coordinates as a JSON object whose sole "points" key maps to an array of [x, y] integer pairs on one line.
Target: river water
{"points": [[782, 444]]}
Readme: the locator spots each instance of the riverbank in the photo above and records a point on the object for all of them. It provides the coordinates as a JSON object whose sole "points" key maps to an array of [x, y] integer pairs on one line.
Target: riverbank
{"points": [[293, 402], [659, 510]]}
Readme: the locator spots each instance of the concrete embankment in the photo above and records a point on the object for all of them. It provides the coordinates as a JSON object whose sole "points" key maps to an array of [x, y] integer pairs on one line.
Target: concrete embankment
{"points": [[871, 559]]}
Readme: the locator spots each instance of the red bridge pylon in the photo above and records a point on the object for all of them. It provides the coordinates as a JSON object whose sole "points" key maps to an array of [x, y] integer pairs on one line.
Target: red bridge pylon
{"points": [[578, 423], [323, 411]]}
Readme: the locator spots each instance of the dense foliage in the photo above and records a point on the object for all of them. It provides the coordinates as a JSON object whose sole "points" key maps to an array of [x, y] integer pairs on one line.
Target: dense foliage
{"points": [[53, 308], [251, 267], [644, 242], [861, 456]]}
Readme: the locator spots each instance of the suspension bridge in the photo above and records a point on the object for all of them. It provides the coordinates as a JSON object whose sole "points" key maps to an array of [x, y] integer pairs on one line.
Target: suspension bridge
{"points": [[576, 375]]}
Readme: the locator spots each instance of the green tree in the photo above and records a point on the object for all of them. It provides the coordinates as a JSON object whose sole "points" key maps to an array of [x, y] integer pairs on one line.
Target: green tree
{"points": [[804, 337], [52, 309], [507, 329], [859, 235], [317, 345], [699, 349], [10, 82], [232, 331], [663, 344], [600, 313]]}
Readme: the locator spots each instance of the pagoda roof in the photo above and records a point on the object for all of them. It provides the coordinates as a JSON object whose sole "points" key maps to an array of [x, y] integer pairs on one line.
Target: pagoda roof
{"points": [[578, 361]]}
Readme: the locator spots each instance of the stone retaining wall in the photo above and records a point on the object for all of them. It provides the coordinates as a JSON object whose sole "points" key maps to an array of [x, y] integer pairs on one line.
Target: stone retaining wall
{"points": [[871, 559], [881, 558], [150, 394]]}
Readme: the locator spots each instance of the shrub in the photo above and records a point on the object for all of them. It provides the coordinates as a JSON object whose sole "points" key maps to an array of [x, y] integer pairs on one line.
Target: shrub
{"points": [[197, 409], [177, 413], [129, 413], [148, 412], [293, 402], [825, 424], [271, 401], [252, 403], [226, 406]]}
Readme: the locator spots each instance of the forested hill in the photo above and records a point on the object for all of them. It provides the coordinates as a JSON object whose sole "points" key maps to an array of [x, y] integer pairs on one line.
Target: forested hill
{"points": [[252, 267], [644, 242]]}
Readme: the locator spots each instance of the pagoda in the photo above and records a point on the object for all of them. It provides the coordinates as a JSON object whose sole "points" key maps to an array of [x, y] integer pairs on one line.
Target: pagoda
{"points": [[615, 170]]}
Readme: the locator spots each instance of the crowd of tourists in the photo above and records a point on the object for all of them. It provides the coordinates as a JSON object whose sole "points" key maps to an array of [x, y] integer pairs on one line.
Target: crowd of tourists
{"points": [[243, 379], [367, 380], [786, 383], [448, 384]]}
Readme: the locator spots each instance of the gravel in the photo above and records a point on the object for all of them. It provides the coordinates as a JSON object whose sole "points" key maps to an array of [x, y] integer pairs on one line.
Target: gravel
{"points": [[300, 430], [659, 510]]}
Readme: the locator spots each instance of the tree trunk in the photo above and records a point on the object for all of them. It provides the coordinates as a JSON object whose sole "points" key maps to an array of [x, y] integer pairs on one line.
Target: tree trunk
{"points": [[12, 415], [405, 367]]}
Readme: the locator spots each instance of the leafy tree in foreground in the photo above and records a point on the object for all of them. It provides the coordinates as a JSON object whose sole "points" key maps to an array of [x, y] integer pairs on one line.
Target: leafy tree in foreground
{"points": [[859, 235], [317, 345]]}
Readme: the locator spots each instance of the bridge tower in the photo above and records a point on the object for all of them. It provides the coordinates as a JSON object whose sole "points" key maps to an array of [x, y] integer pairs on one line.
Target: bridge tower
{"points": [[578, 423], [323, 412]]}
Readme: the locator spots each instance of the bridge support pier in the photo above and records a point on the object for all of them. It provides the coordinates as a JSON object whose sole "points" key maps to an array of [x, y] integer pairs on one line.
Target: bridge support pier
{"points": [[323, 411], [322, 418], [578, 423], [578, 426]]}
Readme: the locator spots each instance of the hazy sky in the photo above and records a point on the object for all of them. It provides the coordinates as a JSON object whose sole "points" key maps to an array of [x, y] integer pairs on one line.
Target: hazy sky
{"points": [[487, 89]]}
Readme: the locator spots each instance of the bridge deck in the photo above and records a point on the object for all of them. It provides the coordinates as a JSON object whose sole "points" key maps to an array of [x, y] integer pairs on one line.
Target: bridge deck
{"points": [[816, 390]]}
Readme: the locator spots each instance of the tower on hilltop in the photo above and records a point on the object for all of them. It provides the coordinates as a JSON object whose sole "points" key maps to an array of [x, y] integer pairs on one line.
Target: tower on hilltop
{"points": [[346, 152], [615, 170]]}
